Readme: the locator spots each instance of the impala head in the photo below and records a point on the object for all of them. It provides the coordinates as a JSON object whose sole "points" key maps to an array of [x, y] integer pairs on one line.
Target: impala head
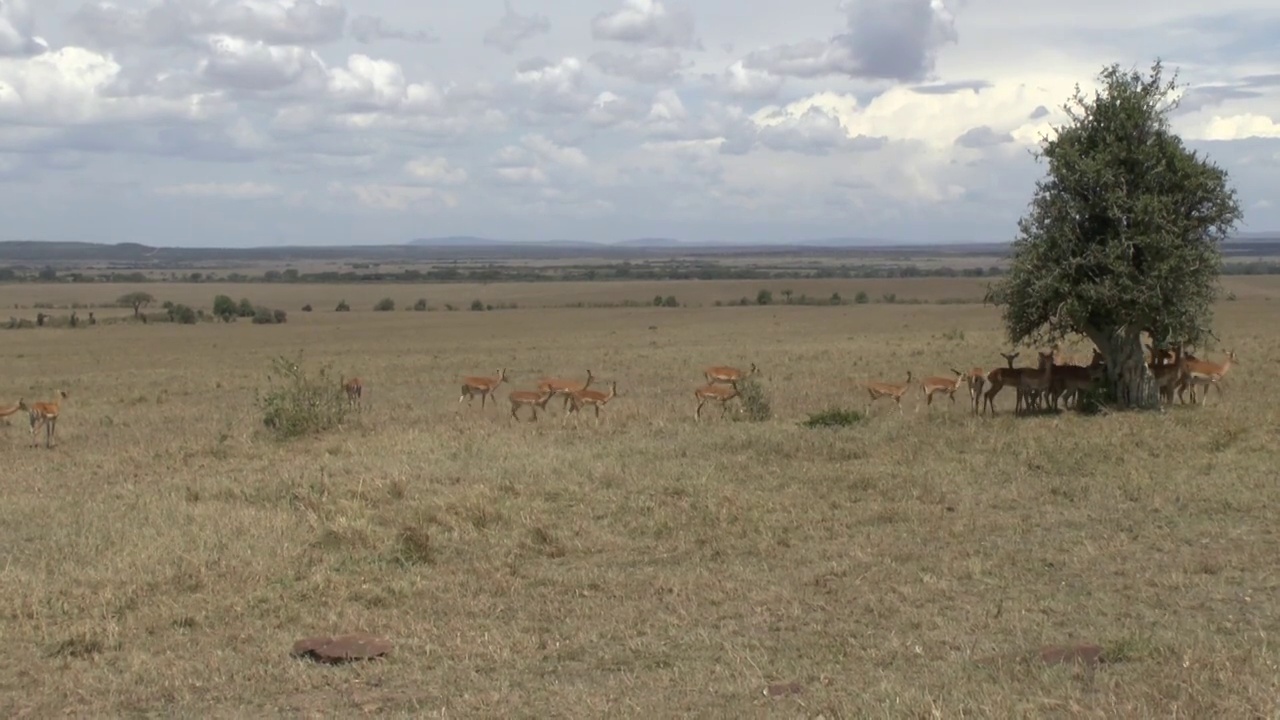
{"points": [[63, 394], [22, 404], [1010, 357], [1231, 357], [753, 369], [502, 375], [1097, 359]]}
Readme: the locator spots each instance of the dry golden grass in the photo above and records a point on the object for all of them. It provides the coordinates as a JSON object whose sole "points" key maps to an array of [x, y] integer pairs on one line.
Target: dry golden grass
{"points": [[165, 554]]}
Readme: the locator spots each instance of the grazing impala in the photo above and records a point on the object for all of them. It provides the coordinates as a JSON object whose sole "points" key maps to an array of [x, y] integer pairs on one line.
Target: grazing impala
{"points": [[714, 393], [531, 400], [725, 375], [949, 385], [1203, 372], [354, 388], [44, 415], [877, 390], [565, 388], [482, 386], [594, 398]]}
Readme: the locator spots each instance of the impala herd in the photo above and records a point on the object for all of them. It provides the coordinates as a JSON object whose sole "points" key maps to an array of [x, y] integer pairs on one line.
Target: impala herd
{"points": [[1054, 379], [578, 395]]}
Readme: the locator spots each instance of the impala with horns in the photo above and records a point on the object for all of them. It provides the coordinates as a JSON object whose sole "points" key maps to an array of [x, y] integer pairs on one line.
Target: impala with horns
{"points": [[565, 388], [1203, 372]]}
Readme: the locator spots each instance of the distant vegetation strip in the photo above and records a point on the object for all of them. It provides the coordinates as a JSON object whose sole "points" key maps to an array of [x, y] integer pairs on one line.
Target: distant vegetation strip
{"points": [[366, 273]]}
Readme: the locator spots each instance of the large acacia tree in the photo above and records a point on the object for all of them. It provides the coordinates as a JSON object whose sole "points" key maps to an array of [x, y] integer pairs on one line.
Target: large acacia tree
{"points": [[1123, 233]]}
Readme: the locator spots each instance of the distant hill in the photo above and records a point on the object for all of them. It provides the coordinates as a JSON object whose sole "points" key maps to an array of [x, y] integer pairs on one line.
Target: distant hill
{"points": [[33, 253]]}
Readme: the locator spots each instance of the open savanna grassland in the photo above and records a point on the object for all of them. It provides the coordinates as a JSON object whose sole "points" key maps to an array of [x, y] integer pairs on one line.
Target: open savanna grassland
{"points": [[166, 553]]}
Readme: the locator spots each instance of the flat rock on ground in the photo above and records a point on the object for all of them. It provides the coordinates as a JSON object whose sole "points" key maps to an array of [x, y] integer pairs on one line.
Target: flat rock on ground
{"points": [[341, 648]]}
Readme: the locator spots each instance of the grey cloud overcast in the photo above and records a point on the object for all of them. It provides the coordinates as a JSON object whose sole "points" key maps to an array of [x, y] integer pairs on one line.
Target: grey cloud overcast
{"points": [[258, 122]]}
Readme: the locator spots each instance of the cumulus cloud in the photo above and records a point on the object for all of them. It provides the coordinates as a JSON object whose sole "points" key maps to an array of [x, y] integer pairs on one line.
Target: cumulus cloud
{"points": [[619, 121], [885, 39], [554, 87], [647, 22], [513, 29]]}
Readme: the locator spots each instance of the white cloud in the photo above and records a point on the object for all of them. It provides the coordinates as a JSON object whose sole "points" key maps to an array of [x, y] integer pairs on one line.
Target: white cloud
{"points": [[435, 171], [885, 118], [1239, 127]]}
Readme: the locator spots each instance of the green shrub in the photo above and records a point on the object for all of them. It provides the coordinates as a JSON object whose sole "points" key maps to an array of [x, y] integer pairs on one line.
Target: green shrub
{"points": [[182, 315], [755, 402], [834, 417], [299, 403], [225, 308], [342, 307], [385, 305], [477, 305], [421, 305]]}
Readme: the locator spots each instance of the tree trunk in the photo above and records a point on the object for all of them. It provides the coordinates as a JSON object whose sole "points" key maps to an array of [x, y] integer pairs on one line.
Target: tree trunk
{"points": [[1131, 380]]}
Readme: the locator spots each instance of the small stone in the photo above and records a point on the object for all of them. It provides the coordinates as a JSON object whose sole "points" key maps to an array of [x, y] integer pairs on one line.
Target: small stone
{"points": [[341, 648]]}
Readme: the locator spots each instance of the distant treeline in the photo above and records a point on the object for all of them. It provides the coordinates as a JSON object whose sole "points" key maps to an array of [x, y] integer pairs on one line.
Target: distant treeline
{"points": [[495, 273]]}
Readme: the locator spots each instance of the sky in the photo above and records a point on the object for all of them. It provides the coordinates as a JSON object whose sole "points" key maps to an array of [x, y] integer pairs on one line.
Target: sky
{"points": [[321, 122]]}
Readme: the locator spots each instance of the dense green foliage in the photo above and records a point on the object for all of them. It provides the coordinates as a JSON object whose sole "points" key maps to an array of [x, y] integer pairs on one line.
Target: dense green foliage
{"points": [[1123, 233]]}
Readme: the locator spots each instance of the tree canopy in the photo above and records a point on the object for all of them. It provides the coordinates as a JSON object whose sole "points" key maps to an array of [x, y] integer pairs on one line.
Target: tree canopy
{"points": [[1123, 232]]}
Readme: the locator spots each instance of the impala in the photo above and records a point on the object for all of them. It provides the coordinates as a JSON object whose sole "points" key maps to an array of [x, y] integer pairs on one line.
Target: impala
{"points": [[877, 390], [949, 385], [594, 398], [1021, 379], [1072, 380], [531, 400], [482, 386], [44, 415], [1161, 356], [975, 379], [1039, 382], [714, 393], [725, 374], [354, 388], [1167, 376], [565, 388], [1203, 372], [6, 412]]}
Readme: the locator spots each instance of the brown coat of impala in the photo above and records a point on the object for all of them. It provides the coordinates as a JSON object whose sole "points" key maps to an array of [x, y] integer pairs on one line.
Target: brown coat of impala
{"points": [[714, 393], [725, 375], [1202, 372], [482, 386], [532, 400], [877, 390], [931, 386], [354, 388], [594, 398], [564, 388], [44, 415]]}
